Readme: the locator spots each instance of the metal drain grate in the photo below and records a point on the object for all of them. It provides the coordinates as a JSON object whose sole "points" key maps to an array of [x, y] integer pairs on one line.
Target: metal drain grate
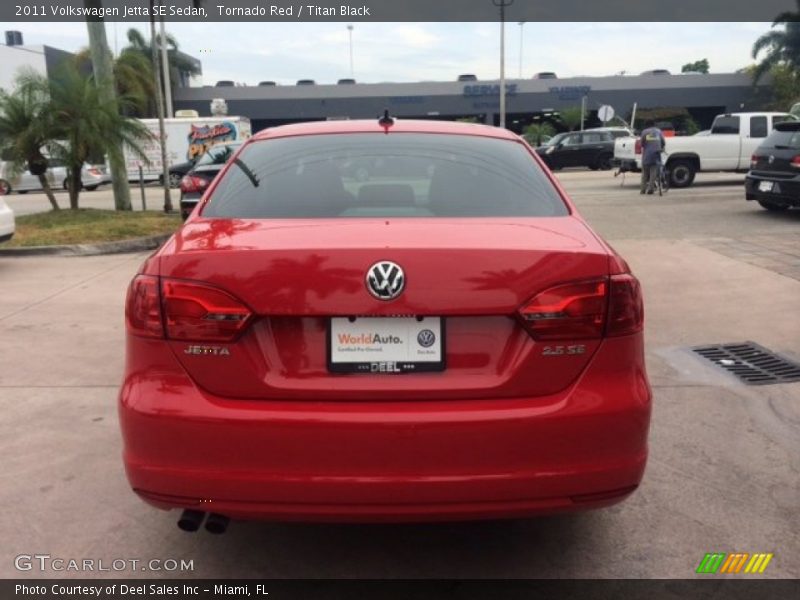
{"points": [[753, 364]]}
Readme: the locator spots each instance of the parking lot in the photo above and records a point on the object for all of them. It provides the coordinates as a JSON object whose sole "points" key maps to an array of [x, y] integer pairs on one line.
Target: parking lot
{"points": [[724, 468]]}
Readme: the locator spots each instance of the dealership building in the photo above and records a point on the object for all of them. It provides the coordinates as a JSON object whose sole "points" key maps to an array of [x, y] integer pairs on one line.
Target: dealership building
{"points": [[528, 100]]}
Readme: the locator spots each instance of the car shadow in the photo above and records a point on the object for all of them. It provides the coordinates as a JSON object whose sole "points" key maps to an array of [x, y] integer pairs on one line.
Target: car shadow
{"points": [[540, 547]]}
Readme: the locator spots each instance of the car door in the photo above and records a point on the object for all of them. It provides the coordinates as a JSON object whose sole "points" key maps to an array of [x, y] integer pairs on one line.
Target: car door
{"points": [[568, 154], [592, 145]]}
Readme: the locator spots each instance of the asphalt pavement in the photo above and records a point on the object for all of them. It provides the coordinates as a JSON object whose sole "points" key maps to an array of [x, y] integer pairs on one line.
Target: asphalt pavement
{"points": [[723, 475]]}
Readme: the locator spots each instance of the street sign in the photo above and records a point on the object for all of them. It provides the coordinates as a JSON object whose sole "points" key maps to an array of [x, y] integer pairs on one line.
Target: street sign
{"points": [[605, 113]]}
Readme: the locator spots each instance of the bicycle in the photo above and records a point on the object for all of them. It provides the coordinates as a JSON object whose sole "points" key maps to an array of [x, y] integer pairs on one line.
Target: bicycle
{"points": [[662, 182]]}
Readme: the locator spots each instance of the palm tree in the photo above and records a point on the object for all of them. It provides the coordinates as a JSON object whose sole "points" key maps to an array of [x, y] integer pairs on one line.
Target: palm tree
{"points": [[25, 129], [133, 74], [781, 47], [178, 63], [536, 131], [84, 126], [570, 117]]}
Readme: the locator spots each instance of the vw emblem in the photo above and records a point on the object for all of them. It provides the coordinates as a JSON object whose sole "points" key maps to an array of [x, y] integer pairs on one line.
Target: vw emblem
{"points": [[385, 280], [771, 159], [426, 338]]}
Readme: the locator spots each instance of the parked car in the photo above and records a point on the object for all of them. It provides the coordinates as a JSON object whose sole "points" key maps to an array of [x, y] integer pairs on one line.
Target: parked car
{"points": [[774, 176], [656, 72], [590, 148], [7, 226], [545, 75], [202, 173], [177, 172], [728, 147], [92, 176], [456, 344], [467, 77]]}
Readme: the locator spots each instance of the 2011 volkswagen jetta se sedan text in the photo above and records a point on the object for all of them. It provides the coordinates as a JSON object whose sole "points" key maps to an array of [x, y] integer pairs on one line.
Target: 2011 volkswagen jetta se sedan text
{"points": [[445, 338]]}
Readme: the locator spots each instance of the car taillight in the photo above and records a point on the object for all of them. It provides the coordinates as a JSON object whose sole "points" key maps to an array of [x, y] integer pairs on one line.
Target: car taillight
{"points": [[197, 312], [795, 162], [625, 306], [94, 171], [192, 184], [571, 311], [586, 310], [183, 310], [637, 147], [753, 161], [143, 307]]}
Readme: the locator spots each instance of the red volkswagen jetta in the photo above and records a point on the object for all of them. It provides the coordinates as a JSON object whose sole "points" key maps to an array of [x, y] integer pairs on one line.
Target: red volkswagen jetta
{"points": [[384, 320]]}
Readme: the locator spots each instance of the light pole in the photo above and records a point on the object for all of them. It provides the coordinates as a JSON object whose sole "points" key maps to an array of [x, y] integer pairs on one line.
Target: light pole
{"points": [[350, 31], [521, 38], [502, 4]]}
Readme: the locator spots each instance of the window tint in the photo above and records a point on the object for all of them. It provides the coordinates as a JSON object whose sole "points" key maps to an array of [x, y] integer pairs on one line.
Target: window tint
{"points": [[758, 127], [593, 138], [572, 140], [725, 125], [379, 175]]}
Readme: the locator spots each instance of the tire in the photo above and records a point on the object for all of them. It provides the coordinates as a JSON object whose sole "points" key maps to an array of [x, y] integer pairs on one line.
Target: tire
{"points": [[175, 180], [5, 188], [604, 162], [681, 173], [90, 188], [66, 185], [771, 206], [23, 192]]}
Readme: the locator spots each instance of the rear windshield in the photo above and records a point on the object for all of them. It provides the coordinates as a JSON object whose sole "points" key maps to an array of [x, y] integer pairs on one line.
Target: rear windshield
{"points": [[379, 175], [783, 139]]}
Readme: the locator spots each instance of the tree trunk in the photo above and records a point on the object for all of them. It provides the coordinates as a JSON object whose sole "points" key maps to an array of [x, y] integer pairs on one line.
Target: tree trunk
{"points": [[74, 184], [48, 191], [162, 137], [103, 68]]}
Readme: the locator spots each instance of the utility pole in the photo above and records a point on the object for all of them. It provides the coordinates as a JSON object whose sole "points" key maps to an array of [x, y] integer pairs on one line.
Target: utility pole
{"points": [[160, 109], [521, 39], [350, 30], [502, 4], [165, 69], [103, 68]]}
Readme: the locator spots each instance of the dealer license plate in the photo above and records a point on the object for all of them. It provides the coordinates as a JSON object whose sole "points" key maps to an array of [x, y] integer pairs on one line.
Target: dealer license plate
{"points": [[765, 186], [388, 345]]}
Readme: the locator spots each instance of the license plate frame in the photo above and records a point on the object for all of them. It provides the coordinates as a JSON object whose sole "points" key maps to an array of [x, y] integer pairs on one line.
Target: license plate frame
{"points": [[388, 360]]}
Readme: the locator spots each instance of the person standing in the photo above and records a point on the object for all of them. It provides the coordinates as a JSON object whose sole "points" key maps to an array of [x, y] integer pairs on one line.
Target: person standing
{"points": [[652, 146]]}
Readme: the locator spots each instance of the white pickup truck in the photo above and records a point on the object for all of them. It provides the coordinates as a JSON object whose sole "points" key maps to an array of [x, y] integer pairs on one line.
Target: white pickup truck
{"points": [[728, 146]]}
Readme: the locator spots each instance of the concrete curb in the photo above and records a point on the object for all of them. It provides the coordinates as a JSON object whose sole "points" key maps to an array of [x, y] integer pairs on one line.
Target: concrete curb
{"points": [[122, 246]]}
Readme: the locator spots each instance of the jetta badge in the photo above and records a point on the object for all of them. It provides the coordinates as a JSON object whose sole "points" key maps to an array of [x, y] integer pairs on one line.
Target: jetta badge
{"points": [[385, 280]]}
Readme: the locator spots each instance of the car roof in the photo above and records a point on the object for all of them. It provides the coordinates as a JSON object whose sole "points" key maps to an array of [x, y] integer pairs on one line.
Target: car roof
{"points": [[372, 126]]}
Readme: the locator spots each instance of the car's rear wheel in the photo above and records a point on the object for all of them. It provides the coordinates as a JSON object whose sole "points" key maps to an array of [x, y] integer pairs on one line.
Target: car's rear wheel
{"points": [[22, 192], [773, 206], [5, 187], [91, 188], [604, 162], [681, 173]]}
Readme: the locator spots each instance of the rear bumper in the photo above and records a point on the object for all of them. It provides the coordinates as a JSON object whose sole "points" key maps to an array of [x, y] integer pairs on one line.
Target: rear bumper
{"points": [[788, 194], [394, 461]]}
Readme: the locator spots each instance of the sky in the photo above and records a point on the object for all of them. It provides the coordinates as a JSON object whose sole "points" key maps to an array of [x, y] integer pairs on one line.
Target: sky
{"points": [[285, 52]]}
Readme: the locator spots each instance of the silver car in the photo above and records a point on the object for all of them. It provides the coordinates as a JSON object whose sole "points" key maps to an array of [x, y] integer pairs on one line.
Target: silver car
{"points": [[92, 176]]}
